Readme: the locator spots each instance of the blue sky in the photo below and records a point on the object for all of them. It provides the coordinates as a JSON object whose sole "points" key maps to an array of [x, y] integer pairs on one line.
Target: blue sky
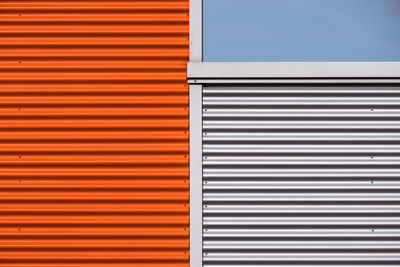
{"points": [[301, 30]]}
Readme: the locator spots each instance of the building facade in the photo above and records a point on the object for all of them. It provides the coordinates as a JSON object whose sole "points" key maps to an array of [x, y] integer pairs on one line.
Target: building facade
{"points": [[109, 110]]}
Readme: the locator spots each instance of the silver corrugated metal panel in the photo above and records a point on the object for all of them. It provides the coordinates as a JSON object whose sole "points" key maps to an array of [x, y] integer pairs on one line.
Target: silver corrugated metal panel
{"points": [[301, 175]]}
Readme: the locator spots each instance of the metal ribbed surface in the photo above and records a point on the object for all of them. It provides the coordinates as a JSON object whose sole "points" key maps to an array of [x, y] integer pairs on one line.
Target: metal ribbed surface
{"points": [[94, 133], [301, 175]]}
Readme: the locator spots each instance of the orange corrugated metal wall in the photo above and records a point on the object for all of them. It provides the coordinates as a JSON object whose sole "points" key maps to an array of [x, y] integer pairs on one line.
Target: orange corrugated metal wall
{"points": [[94, 133]]}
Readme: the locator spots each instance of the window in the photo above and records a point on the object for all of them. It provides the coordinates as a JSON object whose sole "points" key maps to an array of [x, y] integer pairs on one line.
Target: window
{"points": [[293, 158], [301, 30]]}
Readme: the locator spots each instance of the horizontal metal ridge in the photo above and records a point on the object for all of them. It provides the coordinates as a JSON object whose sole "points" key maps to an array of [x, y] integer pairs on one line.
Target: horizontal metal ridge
{"points": [[290, 264], [298, 232], [302, 256], [300, 88]]}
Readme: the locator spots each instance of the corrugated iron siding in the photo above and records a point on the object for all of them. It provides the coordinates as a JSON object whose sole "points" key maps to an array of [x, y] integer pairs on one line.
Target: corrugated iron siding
{"points": [[94, 133], [301, 176]]}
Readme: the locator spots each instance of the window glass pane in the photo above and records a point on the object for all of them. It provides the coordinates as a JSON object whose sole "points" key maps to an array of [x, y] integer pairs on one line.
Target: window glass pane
{"points": [[301, 30]]}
